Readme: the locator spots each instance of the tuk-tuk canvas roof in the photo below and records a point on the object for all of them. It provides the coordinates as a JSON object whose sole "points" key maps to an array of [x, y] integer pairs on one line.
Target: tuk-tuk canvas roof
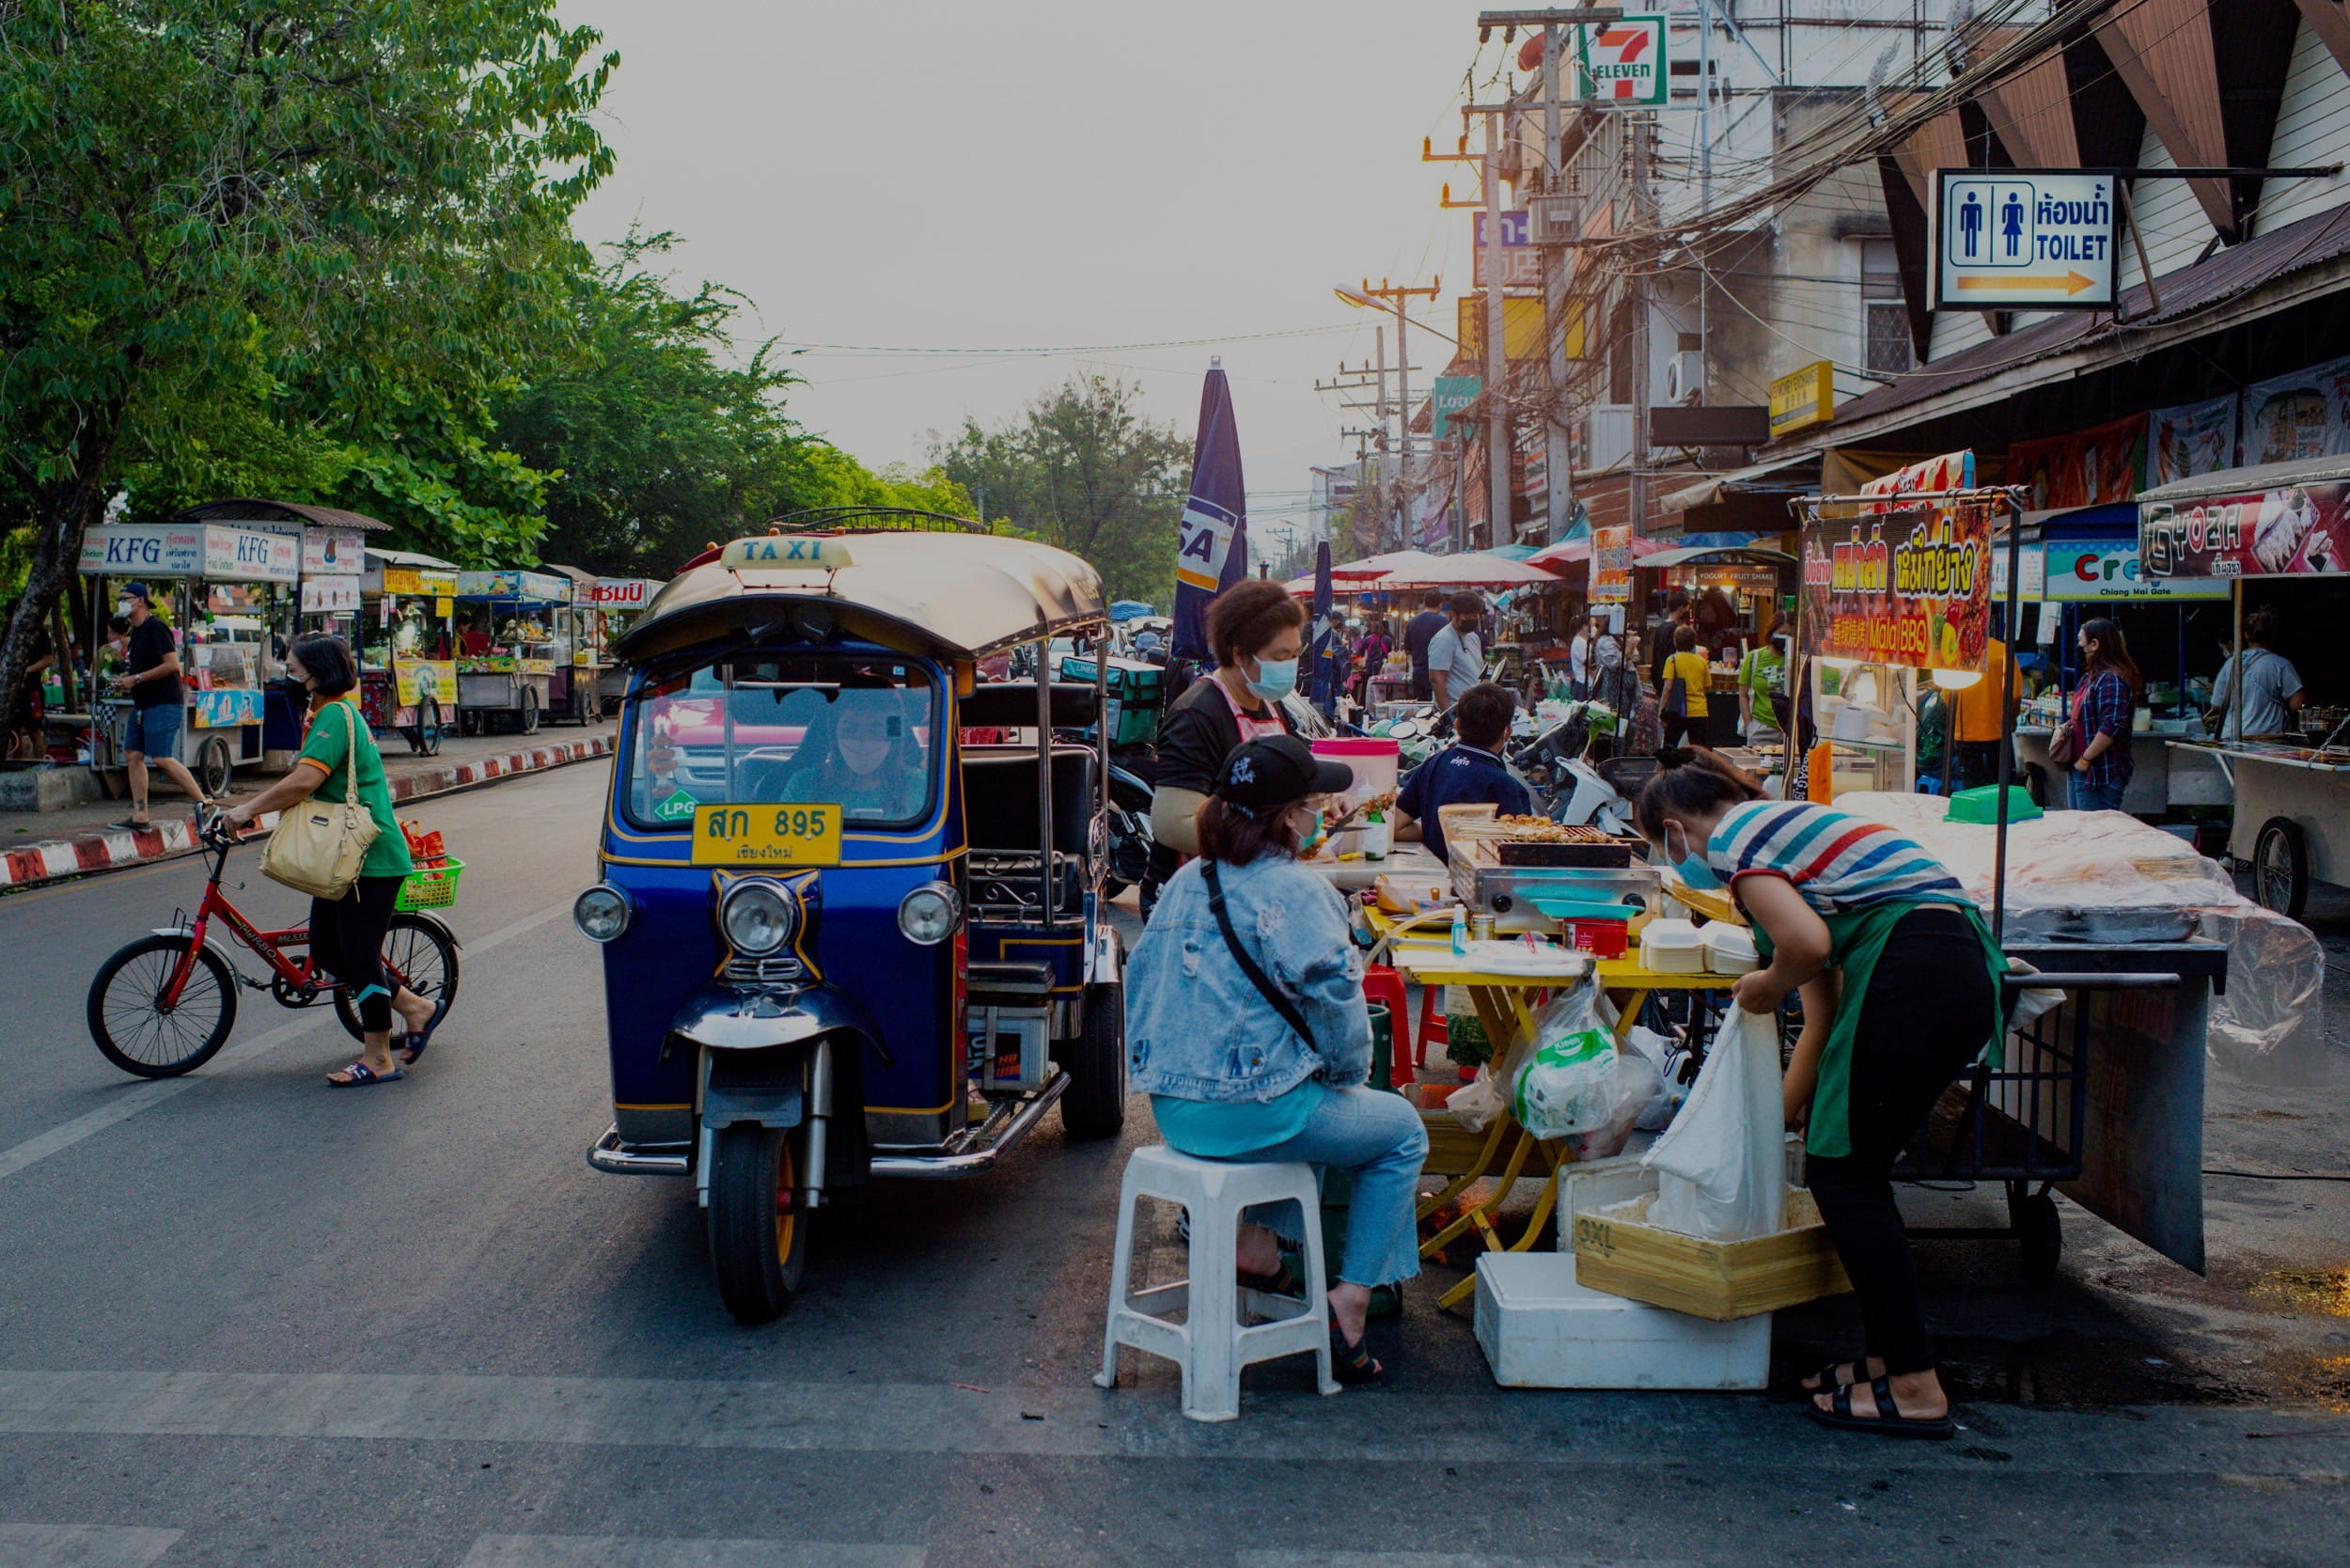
{"points": [[962, 594]]}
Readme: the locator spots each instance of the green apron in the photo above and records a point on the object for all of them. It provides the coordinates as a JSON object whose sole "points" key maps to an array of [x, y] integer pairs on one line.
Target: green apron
{"points": [[1856, 941]]}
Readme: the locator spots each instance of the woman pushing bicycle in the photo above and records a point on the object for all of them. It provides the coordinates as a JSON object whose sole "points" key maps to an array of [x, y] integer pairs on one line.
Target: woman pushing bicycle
{"points": [[347, 933]]}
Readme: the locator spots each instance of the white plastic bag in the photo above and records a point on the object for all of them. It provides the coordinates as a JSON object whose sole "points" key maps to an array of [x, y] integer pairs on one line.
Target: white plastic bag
{"points": [[1666, 1058], [1475, 1103], [1720, 1166], [1562, 1085]]}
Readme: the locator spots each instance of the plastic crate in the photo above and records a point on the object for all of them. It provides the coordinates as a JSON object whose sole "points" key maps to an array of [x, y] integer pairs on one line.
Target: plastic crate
{"points": [[430, 886]]}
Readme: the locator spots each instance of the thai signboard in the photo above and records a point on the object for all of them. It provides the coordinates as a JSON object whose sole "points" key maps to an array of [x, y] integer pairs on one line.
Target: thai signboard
{"points": [[331, 551], [1521, 263], [224, 551], [621, 593], [2108, 569], [1611, 565], [2295, 531], [1803, 398], [329, 595], [2023, 240], [1907, 588]]}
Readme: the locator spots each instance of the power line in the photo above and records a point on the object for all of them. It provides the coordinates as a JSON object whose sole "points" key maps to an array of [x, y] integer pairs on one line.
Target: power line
{"points": [[799, 346]]}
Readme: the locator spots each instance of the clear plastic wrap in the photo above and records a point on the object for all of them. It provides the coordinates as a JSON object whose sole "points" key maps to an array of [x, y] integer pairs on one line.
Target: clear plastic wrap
{"points": [[2105, 878]]}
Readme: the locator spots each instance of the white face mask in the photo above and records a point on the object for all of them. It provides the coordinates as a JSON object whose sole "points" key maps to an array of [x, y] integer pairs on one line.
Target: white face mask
{"points": [[122, 606]]}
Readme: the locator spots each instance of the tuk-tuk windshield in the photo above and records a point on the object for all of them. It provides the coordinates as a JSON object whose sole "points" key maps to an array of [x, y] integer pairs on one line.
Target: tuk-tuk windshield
{"points": [[799, 730]]}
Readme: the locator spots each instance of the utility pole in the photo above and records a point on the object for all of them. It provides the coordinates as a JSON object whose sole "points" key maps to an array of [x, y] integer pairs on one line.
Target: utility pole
{"points": [[1497, 358], [1640, 123], [1392, 296], [1556, 461]]}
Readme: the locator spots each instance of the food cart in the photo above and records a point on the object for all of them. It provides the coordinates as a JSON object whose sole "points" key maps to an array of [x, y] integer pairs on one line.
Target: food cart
{"points": [[576, 690], [615, 603], [2242, 527], [507, 663], [407, 670], [219, 585]]}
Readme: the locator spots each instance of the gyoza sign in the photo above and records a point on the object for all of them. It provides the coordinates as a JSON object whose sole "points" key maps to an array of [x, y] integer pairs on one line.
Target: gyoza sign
{"points": [[2023, 239]]}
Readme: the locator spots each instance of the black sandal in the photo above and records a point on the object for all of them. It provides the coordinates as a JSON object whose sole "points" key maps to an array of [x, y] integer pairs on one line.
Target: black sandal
{"points": [[1828, 1380], [1287, 1281], [1888, 1420], [1351, 1364]]}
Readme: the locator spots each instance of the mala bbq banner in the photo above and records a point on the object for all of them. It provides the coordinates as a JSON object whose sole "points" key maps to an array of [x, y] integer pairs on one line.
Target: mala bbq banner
{"points": [[2297, 531], [1611, 566], [1913, 587]]}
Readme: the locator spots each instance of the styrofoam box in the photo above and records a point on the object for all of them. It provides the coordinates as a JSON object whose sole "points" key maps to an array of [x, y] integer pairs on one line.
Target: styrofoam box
{"points": [[1672, 948], [1729, 949], [1540, 1329], [1595, 1184]]}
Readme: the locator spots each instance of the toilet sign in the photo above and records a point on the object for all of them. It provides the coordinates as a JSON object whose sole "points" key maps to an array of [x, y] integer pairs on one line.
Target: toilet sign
{"points": [[2024, 239]]}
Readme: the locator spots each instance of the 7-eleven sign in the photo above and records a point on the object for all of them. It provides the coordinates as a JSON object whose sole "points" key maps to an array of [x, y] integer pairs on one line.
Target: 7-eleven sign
{"points": [[1621, 64]]}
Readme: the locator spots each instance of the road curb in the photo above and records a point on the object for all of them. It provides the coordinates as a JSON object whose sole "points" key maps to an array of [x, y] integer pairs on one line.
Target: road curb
{"points": [[110, 849]]}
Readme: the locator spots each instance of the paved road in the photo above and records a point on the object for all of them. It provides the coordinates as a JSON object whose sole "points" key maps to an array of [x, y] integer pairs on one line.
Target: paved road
{"points": [[244, 1319]]}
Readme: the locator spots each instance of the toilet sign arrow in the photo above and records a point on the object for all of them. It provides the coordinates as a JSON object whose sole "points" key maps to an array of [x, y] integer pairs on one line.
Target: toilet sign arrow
{"points": [[2024, 238]]}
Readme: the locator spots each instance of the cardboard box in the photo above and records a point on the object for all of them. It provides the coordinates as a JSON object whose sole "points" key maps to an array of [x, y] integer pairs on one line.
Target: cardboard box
{"points": [[1540, 1329], [1617, 1252]]}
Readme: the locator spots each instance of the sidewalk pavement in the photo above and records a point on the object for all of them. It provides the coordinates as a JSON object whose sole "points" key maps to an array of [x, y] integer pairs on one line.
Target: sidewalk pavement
{"points": [[44, 846]]}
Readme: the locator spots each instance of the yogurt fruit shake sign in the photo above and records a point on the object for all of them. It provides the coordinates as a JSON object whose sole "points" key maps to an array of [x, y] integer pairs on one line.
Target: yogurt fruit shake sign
{"points": [[1909, 587]]}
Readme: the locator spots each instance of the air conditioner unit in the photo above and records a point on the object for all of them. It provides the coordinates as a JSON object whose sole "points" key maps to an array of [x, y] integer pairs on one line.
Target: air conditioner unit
{"points": [[1684, 376], [1555, 220]]}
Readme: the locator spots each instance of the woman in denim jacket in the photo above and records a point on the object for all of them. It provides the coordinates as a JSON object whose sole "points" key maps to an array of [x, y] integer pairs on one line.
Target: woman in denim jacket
{"points": [[1228, 1077]]}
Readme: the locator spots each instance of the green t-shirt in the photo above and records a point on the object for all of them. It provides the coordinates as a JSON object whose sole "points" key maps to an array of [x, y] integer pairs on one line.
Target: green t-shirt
{"points": [[1221, 1129], [329, 746]]}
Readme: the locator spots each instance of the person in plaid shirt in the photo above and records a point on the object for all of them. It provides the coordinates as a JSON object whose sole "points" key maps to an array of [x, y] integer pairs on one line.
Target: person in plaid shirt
{"points": [[2101, 717]]}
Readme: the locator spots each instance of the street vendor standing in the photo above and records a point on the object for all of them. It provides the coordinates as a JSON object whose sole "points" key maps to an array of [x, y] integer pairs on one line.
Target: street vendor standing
{"points": [[1256, 631], [1895, 968], [2258, 689]]}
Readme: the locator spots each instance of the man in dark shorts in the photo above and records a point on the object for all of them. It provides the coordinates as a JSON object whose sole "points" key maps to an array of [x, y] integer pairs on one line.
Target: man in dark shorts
{"points": [[158, 703], [1416, 634]]}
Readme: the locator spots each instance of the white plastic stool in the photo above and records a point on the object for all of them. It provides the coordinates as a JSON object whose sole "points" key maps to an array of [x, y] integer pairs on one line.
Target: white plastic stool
{"points": [[1209, 1344]]}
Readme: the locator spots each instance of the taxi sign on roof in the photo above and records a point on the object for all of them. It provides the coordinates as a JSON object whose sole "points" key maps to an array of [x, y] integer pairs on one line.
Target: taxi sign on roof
{"points": [[2023, 240], [787, 553]]}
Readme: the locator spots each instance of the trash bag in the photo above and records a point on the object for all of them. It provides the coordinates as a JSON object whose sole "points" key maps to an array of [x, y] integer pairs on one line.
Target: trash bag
{"points": [[1631, 1088], [1670, 1061], [1475, 1103], [1720, 1166], [1563, 1085]]}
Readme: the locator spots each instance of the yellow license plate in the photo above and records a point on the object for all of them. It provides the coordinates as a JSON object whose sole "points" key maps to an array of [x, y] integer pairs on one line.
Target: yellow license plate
{"points": [[766, 835]]}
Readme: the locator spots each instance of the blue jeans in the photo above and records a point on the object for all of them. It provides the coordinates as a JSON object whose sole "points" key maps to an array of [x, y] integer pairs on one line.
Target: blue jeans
{"points": [[2085, 796], [1378, 1137]]}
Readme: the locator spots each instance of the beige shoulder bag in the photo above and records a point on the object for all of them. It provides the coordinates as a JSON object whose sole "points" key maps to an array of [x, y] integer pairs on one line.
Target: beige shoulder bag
{"points": [[318, 845]]}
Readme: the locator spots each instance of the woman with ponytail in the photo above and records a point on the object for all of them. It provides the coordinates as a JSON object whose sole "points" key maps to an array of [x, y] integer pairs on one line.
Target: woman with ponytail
{"points": [[1895, 970]]}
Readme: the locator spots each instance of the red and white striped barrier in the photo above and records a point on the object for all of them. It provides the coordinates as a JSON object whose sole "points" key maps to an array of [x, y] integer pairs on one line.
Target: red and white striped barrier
{"points": [[111, 847]]}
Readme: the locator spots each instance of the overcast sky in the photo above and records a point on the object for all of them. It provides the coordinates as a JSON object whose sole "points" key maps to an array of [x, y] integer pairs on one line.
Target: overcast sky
{"points": [[1043, 175]]}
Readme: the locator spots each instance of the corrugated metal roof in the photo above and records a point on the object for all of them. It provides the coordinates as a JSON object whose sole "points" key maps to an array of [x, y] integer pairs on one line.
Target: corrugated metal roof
{"points": [[2238, 270], [249, 509]]}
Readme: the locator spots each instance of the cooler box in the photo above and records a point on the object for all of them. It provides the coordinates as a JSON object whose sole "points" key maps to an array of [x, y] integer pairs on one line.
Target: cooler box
{"points": [[1540, 1329], [1134, 698]]}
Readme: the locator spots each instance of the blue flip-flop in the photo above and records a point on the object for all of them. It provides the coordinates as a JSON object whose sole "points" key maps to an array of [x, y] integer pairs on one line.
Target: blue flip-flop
{"points": [[417, 1042], [359, 1074]]}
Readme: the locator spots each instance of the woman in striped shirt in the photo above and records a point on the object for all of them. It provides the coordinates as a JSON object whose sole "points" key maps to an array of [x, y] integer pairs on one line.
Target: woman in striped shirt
{"points": [[1894, 967]]}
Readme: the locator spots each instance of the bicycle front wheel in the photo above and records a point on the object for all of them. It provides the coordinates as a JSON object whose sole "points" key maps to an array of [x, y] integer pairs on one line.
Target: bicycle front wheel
{"points": [[420, 954], [133, 1028]]}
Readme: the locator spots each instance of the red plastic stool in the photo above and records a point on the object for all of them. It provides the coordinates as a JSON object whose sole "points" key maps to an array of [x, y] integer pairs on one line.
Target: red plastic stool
{"points": [[1432, 1029], [1382, 984]]}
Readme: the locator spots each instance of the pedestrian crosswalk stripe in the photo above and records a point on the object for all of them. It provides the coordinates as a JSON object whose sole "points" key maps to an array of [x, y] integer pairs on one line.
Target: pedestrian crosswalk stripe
{"points": [[606, 1551], [82, 1546]]}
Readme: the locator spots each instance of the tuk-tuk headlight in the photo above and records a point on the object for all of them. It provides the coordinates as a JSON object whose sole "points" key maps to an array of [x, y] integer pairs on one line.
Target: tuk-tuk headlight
{"points": [[602, 913], [758, 918], [928, 915]]}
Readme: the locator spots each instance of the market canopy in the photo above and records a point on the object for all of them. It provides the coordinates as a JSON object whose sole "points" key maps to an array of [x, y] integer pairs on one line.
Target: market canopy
{"points": [[1716, 554], [2259, 475], [1388, 565], [1469, 571]]}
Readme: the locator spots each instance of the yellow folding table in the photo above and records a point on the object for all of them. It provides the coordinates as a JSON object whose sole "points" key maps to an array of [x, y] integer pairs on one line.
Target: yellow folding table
{"points": [[1502, 1154]]}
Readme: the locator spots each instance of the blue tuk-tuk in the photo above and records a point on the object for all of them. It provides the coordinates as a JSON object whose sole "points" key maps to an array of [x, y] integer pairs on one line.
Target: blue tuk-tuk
{"points": [[838, 942]]}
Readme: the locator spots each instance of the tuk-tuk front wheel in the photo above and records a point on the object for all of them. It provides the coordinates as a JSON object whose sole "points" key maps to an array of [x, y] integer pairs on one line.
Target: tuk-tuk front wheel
{"points": [[1094, 1105], [758, 1234]]}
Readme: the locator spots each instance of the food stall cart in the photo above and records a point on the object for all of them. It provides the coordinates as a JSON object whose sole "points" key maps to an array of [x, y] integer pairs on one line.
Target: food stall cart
{"points": [[407, 670], [2268, 524], [615, 603], [576, 690], [505, 667], [220, 586]]}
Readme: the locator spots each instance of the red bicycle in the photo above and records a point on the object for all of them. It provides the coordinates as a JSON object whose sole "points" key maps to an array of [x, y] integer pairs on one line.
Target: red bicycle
{"points": [[165, 1004]]}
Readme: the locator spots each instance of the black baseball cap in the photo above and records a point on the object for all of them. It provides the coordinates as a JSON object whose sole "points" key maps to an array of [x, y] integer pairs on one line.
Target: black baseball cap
{"points": [[137, 590], [1277, 771]]}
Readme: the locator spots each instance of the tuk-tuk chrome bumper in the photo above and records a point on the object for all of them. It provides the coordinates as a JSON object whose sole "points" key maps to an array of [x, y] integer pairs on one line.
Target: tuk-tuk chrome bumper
{"points": [[978, 1149], [617, 1158]]}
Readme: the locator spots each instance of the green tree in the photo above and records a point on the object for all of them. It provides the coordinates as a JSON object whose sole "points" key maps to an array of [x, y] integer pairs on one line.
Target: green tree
{"points": [[657, 443], [331, 216], [1083, 469]]}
